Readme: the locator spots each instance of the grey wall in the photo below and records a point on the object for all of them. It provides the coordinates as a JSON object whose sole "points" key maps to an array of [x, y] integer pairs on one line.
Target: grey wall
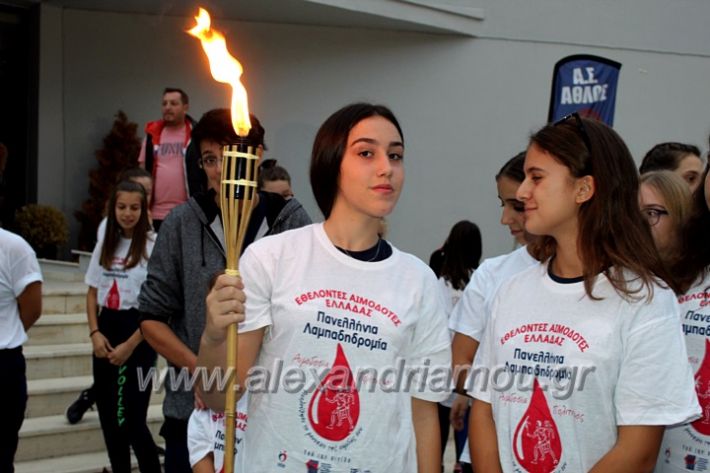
{"points": [[465, 104], [50, 147]]}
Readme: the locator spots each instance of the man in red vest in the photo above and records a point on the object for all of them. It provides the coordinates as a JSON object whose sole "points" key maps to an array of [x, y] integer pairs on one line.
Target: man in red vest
{"points": [[165, 154]]}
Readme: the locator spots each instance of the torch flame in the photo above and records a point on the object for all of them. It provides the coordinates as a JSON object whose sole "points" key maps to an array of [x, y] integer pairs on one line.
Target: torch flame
{"points": [[224, 68]]}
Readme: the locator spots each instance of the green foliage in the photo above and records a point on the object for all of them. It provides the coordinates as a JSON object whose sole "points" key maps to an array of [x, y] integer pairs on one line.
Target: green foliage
{"points": [[119, 152], [43, 226]]}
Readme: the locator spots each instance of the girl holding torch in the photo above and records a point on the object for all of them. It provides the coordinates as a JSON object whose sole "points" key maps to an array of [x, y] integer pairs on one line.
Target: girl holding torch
{"points": [[336, 299], [587, 360]]}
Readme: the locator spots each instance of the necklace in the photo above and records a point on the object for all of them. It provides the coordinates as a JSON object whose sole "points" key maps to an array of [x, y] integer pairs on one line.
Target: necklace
{"points": [[354, 253]]}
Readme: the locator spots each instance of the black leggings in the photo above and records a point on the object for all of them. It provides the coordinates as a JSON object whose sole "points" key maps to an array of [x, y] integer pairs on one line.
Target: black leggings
{"points": [[122, 405], [13, 399]]}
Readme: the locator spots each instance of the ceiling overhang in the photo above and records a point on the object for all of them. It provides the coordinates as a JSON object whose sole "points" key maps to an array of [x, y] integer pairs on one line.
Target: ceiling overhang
{"points": [[391, 15]]}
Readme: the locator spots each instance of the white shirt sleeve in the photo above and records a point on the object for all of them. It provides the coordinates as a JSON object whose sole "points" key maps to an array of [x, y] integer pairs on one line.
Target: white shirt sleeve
{"points": [[199, 435], [446, 295], [93, 272], [431, 343], [652, 391], [478, 383], [25, 271], [469, 316], [257, 286]]}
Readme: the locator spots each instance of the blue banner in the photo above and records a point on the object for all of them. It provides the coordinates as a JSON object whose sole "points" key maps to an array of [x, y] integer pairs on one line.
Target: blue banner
{"points": [[584, 84]]}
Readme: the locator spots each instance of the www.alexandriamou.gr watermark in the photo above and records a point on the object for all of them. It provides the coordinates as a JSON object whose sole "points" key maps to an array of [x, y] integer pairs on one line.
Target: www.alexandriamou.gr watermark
{"points": [[560, 381]]}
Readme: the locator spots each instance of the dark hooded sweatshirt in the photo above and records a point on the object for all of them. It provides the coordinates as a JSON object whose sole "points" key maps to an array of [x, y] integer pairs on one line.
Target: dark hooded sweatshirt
{"points": [[186, 256]]}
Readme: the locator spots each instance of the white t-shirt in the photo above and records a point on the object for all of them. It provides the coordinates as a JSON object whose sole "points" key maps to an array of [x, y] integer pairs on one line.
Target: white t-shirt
{"points": [[118, 288], [450, 297], [206, 434], [18, 269], [579, 368], [338, 323], [470, 315], [687, 447]]}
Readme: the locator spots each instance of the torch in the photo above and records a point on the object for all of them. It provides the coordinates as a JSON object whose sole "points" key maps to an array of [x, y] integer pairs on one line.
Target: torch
{"points": [[237, 192]]}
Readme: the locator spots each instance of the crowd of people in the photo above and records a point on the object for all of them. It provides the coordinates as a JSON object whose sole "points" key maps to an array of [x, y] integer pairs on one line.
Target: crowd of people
{"points": [[585, 349]]}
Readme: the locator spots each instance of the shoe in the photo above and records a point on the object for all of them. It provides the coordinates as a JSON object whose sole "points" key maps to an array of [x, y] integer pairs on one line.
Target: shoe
{"points": [[78, 408]]}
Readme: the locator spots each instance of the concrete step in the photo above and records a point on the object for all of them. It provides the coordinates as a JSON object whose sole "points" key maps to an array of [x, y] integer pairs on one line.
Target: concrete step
{"points": [[61, 361], [52, 436], [48, 397], [56, 270], [58, 361], [59, 328], [63, 297], [94, 462]]}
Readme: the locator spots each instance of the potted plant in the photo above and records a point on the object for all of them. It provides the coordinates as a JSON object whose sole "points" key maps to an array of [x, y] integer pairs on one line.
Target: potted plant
{"points": [[44, 227], [120, 150]]}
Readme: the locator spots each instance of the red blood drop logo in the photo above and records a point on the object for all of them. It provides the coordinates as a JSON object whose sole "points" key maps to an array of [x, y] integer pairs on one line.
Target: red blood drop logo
{"points": [[702, 387], [334, 408], [113, 298], [536, 443]]}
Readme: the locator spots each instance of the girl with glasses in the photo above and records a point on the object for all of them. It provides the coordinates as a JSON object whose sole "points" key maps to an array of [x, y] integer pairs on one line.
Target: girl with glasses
{"points": [[582, 364], [666, 204], [684, 445], [188, 254]]}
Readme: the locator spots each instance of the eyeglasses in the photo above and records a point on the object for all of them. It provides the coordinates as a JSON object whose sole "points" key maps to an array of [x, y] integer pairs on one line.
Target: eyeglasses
{"points": [[580, 127], [210, 162], [653, 215]]}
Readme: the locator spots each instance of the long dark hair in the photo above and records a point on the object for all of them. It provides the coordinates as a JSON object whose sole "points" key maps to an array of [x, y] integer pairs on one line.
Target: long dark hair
{"points": [[137, 250], [514, 168], [462, 253], [329, 145], [613, 235], [694, 254]]}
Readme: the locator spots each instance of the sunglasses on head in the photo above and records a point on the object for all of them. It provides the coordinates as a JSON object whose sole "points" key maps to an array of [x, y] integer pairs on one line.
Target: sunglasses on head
{"points": [[579, 124]]}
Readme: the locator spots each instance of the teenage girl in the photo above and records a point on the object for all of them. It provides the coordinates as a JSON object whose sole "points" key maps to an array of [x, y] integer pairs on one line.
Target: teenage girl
{"points": [[116, 271], [336, 299], [683, 159], [582, 364], [462, 254], [142, 177], [469, 317], [667, 203], [76, 410], [683, 445], [275, 179]]}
